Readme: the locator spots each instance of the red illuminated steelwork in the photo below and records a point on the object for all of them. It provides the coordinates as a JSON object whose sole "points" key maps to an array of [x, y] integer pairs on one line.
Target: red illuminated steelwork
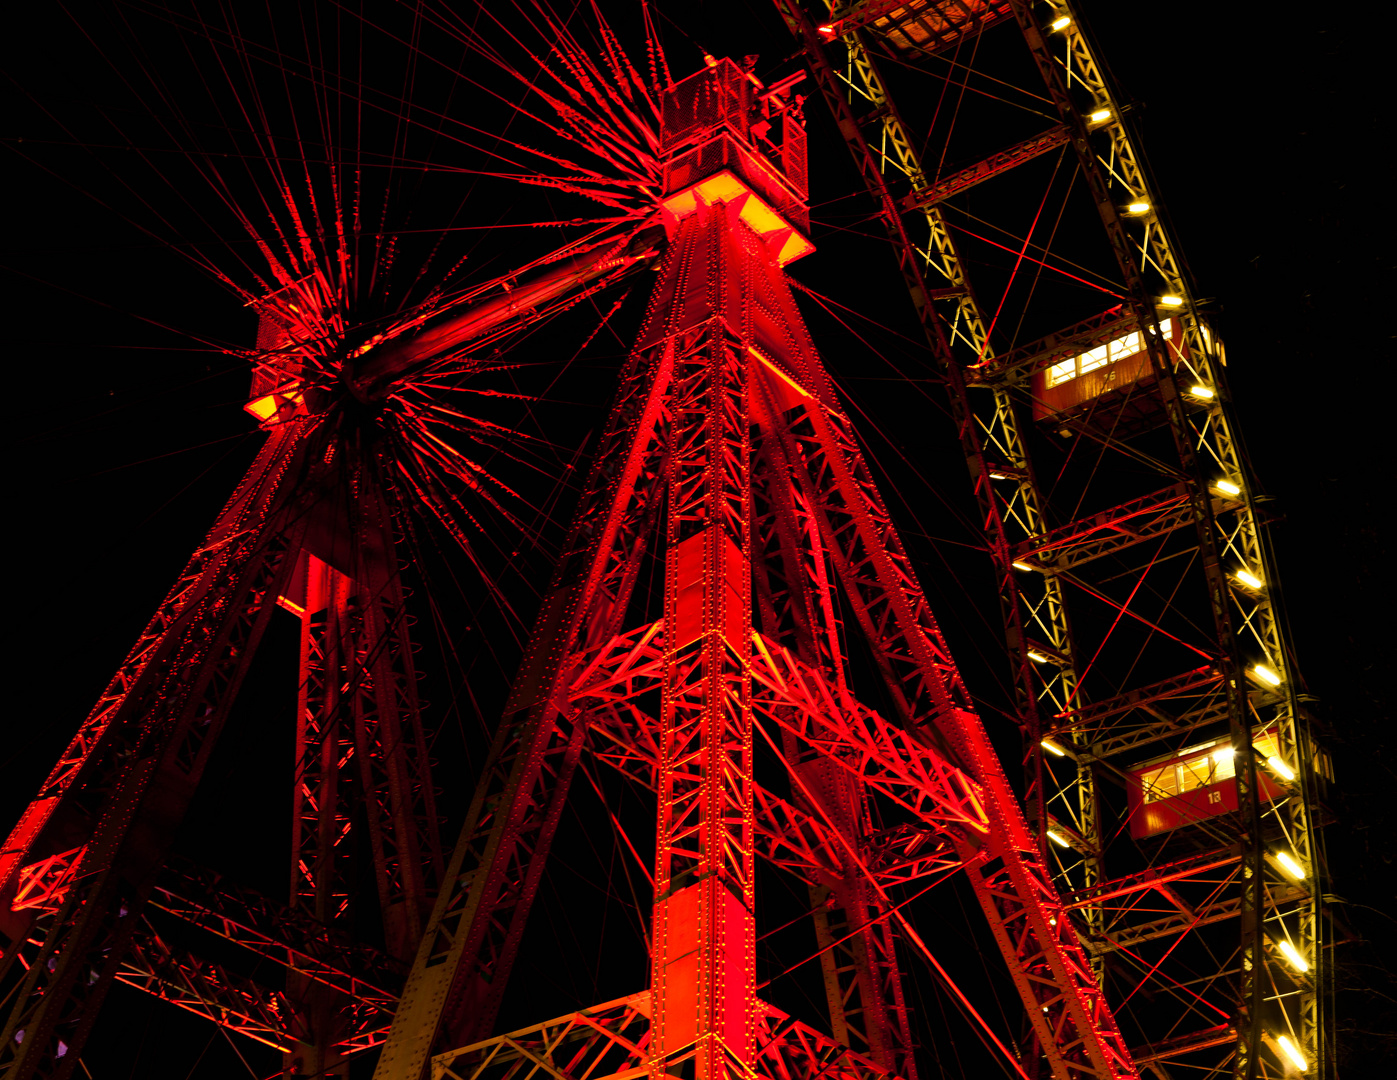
{"points": [[728, 452], [75, 919]]}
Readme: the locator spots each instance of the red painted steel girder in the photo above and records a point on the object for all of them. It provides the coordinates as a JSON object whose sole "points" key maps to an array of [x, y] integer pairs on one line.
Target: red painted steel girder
{"points": [[144, 749], [494, 871], [171, 640], [374, 375], [798, 698], [936, 740], [615, 1036], [625, 737], [1154, 877]]}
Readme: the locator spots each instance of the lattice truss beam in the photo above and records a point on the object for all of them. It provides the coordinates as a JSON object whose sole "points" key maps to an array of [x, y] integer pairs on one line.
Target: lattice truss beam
{"points": [[81, 918], [309, 528], [726, 448], [726, 428], [1053, 560]]}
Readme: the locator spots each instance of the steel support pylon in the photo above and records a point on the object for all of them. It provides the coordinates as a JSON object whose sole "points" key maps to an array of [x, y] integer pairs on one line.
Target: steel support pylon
{"points": [[310, 530], [727, 425]]}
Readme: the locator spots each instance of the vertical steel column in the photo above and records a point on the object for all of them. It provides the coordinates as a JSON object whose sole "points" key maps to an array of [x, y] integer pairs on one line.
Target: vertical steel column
{"points": [[703, 980], [321, 855], [359, 746], [863, 983], [319, 820]]}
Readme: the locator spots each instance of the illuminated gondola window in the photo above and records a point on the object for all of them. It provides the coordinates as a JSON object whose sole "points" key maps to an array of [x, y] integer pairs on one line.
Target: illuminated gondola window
{"points": [[1199, 767], [1110, 353]]}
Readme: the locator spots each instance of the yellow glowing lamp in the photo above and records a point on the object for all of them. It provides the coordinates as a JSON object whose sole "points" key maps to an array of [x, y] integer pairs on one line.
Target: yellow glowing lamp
{"points": [[1227, 487], [1058, 840], [1138, 207], [1053, 748], [1292, 955], [1100, 115], [1200, 391], [1266, 675], [1290, 1051], [1171, 301], [1292, 868], [1247, 578], [1280, 768], [1061, 23]]}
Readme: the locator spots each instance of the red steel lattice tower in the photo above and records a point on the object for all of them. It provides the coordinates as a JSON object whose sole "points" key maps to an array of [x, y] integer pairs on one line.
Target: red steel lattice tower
{"points": [[310, 528], [728, 444], [728, 459]]}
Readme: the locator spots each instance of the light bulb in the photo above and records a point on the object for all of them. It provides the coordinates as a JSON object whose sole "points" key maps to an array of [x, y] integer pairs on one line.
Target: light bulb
{"points": [[1291, 1052], [1292, 954], [1290, 866]]}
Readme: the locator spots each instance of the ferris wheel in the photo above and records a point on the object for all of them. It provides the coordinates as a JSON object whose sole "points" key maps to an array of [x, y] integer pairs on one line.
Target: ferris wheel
{"points": [[734, 651]]}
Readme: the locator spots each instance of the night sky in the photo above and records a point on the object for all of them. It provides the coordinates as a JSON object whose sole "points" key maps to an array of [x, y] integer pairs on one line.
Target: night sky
{"points": [[127, 432]]}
